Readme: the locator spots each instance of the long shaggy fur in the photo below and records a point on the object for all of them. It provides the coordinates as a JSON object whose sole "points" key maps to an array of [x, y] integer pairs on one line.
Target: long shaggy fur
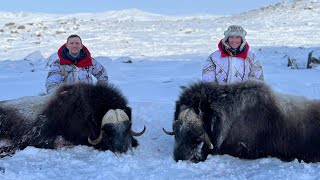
{"points": [[74, 112], [248, 120]]}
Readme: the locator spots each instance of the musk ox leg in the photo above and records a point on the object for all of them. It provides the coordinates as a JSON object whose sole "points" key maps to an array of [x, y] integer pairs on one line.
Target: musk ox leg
{"points": [[7, 148], [37, 138], [7, 151], [57, 143], [238, 149], [41, 135], [38, 142]]}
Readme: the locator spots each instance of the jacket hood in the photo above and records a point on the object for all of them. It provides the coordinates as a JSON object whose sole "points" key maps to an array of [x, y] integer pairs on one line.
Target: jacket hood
{"points": [[226, 52], [84, 61]]}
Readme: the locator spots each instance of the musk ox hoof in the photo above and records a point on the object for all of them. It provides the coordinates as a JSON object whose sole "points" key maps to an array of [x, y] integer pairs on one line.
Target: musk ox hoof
{"points": [[7, 151]]}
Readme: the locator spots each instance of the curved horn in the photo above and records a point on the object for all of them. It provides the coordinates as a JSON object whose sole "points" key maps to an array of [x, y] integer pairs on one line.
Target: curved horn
{"points": [[106, 117], [138, 134], [208, 141], [167, 132], [97, 141]]}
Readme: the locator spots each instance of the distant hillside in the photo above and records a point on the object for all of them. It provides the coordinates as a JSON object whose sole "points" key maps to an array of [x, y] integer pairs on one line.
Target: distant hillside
{"points": [[287, 13], [136, 33]]}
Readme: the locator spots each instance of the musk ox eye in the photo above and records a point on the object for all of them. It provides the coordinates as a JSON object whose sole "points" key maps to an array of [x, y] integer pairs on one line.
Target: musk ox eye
{"points": [[108, 127], [109, 133], [108, 130]]}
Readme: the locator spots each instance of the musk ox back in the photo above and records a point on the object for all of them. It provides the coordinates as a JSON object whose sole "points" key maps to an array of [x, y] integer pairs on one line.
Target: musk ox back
{"points": [[246, 120], [82, 114]]}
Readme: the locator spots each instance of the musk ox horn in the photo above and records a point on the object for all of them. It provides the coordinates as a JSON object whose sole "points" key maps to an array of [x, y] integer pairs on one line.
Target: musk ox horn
{"points": [[138, 133], [106, 117], [167, 132], [97, 141], [207, 140]]}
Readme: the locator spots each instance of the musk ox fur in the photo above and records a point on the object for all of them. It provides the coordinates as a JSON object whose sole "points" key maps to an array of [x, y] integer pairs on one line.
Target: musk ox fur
{"points": [[82, 114], [246, 120]]}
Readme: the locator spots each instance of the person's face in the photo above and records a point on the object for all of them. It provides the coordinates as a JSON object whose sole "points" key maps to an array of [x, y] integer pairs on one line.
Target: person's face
{"points": [[234, 41], [74, 45]]}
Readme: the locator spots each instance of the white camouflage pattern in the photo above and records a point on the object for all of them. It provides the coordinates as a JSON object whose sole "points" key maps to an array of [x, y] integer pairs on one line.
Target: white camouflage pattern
{"points": [[225, 70], [59, 74]]}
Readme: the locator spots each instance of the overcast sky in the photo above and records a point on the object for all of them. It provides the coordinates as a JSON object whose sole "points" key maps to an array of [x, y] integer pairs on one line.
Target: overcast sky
{"points": [[169, 7]]}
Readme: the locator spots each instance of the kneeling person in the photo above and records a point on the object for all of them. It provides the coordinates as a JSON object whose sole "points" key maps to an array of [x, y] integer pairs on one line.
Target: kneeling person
{"points": [[74, 64]]}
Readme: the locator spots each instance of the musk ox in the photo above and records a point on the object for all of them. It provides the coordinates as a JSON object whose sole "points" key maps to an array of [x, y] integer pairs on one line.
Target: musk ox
{"points": [[82, 114], [246, 120]]}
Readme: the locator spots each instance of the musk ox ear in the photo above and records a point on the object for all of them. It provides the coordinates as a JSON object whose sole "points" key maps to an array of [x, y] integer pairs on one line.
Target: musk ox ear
{"points": [[128, 110]]}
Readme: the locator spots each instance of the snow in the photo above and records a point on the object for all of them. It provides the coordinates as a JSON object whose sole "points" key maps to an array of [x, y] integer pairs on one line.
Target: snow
{"points": [[166, 53]]}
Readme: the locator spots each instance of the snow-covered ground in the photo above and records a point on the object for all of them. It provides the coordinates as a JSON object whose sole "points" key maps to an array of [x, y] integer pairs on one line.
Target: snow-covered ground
{"points": [[167, 52]]}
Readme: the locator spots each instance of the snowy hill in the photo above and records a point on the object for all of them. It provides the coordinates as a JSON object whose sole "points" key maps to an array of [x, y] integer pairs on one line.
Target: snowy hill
{"points": [[136, 33], [167, 52], [287, 12]]}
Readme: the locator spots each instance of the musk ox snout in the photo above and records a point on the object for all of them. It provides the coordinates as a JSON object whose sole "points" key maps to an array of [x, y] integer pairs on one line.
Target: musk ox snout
{"points": [[191, 141]]}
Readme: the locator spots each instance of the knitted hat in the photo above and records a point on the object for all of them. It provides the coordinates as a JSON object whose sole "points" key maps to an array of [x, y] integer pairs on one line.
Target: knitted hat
{"points": [[235, 30]]}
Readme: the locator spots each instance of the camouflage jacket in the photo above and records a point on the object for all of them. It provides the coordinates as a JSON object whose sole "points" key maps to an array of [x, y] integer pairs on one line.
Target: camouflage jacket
{"points": [[59, 74], [225, 70]]}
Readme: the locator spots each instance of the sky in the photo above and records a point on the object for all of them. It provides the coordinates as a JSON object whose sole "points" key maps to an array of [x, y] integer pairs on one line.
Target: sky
{"points": [[168, 7]]}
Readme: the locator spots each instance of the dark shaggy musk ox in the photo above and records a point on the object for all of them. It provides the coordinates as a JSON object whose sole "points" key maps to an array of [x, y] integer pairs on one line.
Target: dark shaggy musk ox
{"points": [[246, 120], [82, 114]]}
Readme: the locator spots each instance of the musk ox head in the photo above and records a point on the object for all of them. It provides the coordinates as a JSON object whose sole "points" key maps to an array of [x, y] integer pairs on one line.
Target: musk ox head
{"points": [[192, 143], [115, 133]]}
